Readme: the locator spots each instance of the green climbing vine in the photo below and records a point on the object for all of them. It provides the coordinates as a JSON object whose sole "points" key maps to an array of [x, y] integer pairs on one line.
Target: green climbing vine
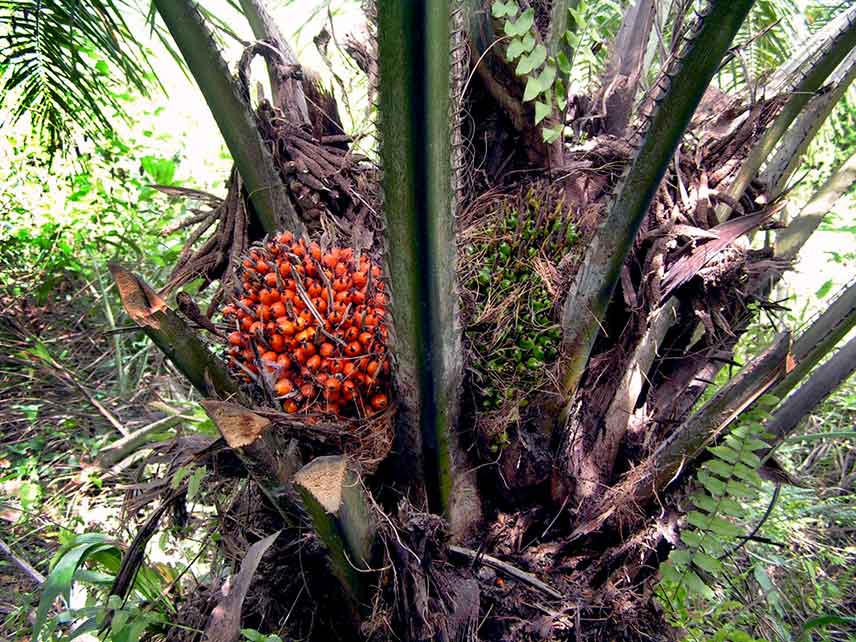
{"points": [[713, 531], [546, 76]]}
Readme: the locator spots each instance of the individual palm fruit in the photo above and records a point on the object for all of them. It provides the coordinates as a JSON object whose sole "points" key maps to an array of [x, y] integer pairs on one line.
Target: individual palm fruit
{"points": [[312, 322]]}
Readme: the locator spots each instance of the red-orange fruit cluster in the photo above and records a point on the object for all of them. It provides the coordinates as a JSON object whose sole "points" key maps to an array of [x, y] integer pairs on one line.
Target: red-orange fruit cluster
{"points": [[312, 322]]}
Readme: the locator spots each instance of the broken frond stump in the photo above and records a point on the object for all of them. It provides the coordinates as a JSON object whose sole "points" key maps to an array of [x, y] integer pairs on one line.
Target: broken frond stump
{"points": [[334, 497], [173, 336], [270, 458]]}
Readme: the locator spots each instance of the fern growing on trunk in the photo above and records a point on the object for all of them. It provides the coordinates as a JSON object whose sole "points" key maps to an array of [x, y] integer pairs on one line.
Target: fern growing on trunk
{"points": [[713, 531]]}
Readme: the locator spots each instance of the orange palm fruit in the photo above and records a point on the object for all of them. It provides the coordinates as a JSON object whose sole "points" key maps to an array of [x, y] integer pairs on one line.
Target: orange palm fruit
{"points": [[291, 291], [283, 387], [285, 361], [379, 401], [353, 349]]}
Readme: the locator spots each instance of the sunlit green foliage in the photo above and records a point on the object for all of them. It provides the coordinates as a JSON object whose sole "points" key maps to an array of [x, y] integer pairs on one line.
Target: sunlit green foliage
{"points": [[772, 588], [546, 76], [93, 560], [62, 61]]}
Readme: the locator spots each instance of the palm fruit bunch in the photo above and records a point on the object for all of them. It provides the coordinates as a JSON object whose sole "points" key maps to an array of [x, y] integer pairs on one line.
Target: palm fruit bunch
{"points": [[513, 326], [310, 326]]}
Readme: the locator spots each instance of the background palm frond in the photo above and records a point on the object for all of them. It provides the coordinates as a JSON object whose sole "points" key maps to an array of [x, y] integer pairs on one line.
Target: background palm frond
{"points": [[66, 63], [601, 22], [773, 34]]}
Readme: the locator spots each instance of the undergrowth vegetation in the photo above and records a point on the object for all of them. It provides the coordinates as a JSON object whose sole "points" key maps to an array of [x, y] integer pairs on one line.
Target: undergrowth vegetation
{"points": [[761, 563], [71, 378], [767, 554]]}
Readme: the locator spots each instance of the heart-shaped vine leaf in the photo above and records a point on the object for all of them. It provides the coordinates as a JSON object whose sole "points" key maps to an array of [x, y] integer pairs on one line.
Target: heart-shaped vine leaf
{"points": [[563, 63], [532, 90], [547, 77], [531, 62], [515, 48], [572, 39], [504, 9], [537, 85], [561, 94], [523, 24], [577, 14], [551, 134], [542, 110]]}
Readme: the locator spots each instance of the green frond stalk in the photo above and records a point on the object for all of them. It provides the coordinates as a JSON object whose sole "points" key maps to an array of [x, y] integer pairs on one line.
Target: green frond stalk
{"points": [[797, 139], [819, 338], [233, 114], [414, 59], [784, 77], [765, 376], [816, 388], [173, 336], [813, 344], [589, 296], [790, 240], [812, 79], [714, 419], [717, 415]]}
